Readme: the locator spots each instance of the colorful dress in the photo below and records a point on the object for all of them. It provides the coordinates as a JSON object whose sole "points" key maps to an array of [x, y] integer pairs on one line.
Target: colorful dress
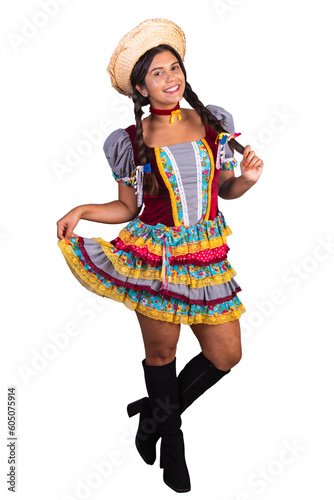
{"points": [[170, 262]]}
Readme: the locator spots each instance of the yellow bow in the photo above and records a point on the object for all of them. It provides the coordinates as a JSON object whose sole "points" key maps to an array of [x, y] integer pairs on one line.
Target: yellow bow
{"points": [[175, 113]]}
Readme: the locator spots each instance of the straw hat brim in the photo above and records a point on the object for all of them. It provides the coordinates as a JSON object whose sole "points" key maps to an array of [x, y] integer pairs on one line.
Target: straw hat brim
{"points": [[134, 44]]}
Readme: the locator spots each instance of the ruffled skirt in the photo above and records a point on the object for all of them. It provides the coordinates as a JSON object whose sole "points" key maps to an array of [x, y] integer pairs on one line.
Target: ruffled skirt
{"points": [[175, 274]]}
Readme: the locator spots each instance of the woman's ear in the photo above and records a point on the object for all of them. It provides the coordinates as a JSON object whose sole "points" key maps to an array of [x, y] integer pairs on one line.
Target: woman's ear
{"points": [[142, 90]]}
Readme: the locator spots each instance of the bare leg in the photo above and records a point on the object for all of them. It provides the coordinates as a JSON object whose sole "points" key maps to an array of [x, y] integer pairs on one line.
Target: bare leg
{"points": [[160, 413], [160, 340], [221, 344]]}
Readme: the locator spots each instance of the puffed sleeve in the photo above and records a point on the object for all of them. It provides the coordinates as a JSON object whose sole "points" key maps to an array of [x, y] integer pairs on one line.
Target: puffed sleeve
{"points": [[227, 161], [118, 150]]}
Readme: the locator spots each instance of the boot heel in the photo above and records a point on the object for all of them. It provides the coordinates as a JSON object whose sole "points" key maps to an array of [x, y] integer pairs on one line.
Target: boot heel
{"points": [[161, 459], [135, 407]]}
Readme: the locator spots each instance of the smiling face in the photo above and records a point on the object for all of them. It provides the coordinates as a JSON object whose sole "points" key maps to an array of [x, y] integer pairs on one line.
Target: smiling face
{"points": [[164, 82]]}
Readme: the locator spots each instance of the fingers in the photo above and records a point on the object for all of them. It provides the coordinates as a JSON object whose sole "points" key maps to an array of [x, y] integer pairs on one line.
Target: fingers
{"points": [[68, 233], [60, 230], [250, 160], [65, 231], [246, 158], [67, 224], [246, 150], [255, 163]]}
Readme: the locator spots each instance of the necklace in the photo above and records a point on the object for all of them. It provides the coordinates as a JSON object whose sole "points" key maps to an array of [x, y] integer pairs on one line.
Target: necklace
{"points": [[173, 112]]}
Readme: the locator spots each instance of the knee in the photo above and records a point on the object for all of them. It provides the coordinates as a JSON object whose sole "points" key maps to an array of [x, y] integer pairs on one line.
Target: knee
{"points": [[233, 358], [158, 356], [227, 359]]}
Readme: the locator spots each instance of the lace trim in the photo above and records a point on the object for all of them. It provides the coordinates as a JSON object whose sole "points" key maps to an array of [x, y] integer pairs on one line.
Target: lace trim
{"points": [[92, 283], [222, 152], [179, 185], [87, 260], [169, 187], [213, 302], [199, 180], [128, 181], [83, 275], [218, 158], [155, 274], [179, 250], [147, 288], [149, 274], [223, 163], [189, 320], [164, 293], [143, 253], [207, 256]]}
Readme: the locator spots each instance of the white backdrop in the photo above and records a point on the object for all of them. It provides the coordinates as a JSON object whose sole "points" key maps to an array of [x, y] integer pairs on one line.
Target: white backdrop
{"points": [[75, 359]]}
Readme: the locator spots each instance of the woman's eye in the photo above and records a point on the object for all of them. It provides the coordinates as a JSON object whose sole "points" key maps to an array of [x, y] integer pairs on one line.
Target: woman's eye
{"points": [[160, 72]]}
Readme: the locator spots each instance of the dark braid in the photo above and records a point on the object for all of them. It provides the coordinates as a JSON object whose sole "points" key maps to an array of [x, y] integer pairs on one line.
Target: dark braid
{"points": [[150, 183], [138, 103], [206, 116], [138, 75]]}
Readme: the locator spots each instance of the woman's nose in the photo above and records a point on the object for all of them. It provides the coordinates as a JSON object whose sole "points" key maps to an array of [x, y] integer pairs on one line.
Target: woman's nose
{"points": [[169, 76]]}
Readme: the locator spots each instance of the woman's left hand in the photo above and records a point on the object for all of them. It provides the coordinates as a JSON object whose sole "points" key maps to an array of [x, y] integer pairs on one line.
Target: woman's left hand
{"points": [[251, 165]]}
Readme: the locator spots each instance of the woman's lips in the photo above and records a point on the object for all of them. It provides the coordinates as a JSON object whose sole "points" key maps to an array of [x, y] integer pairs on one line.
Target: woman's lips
{"points": [[172, 92]]}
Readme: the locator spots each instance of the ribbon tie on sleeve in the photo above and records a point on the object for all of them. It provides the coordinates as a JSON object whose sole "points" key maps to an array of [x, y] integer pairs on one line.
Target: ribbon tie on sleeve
{"points": [[139, 173], [224, 137]]}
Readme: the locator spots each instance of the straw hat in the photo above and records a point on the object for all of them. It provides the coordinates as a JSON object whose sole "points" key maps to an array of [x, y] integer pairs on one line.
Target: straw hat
{"points": [[134, 44]]}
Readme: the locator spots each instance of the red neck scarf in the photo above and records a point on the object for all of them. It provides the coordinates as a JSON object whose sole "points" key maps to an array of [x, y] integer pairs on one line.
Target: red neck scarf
{"points": [[174, 112], [156, 111]]}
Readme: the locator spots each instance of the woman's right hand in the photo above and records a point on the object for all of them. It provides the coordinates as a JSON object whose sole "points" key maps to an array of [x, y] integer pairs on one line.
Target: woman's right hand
{"points": [[66, 224]]}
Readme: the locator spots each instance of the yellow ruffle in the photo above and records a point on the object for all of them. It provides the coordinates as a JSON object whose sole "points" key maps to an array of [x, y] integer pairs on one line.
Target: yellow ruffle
{"points": [[188, 320], [185, 249], [155, 274], [85, 278], [148, 274], [212, 172], [91, 283]]}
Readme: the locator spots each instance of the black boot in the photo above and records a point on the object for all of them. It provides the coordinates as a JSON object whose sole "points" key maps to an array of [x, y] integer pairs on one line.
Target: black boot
{"points": [[147, 435], [162, 388], [196, 377]]}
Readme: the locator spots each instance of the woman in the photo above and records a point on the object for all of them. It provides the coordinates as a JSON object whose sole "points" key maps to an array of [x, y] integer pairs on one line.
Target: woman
{"points": [[168, 264]]}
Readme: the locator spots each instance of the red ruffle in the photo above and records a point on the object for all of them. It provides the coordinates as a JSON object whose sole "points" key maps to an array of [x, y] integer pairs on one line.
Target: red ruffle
{"points": [[132, 286], [203, 257], [142, 253]]}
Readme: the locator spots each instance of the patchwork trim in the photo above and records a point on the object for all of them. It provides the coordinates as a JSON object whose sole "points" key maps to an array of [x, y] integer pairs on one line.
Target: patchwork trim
{"points": [[179, 182]]}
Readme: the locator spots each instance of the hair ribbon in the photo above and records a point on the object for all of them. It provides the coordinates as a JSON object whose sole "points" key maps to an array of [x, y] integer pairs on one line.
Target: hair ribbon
{"points": [[224, 137]]}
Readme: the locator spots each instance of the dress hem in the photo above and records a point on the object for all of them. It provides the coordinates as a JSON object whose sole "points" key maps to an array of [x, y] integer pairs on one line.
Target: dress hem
{"points": [[91, 283]]}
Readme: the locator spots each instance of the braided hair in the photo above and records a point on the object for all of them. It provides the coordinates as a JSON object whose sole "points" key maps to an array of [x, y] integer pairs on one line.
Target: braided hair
{"points": [[138, 76]]}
